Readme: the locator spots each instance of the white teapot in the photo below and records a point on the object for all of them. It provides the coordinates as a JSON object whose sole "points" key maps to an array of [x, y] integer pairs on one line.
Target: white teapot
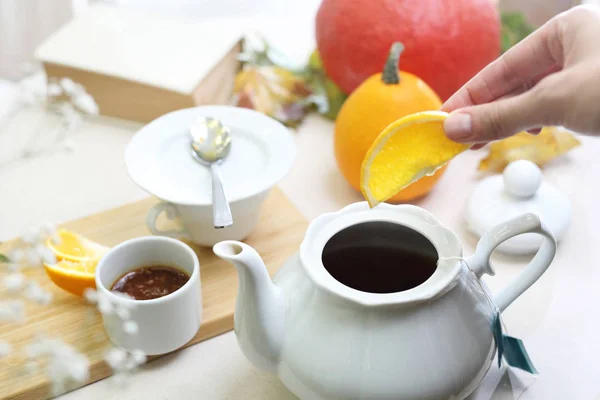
{"points": [[378, 304]]}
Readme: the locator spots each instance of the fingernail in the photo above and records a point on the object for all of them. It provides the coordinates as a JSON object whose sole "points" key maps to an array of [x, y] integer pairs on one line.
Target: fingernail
{"points": [[534, 131], [458, 126]]}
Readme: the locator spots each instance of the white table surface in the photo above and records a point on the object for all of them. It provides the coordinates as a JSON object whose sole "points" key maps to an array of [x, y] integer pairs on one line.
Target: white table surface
{"points": [[557, 318]]}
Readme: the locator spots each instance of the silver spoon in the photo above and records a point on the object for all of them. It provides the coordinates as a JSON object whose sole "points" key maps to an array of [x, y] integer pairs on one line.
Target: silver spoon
{"points": [[211, 142]]}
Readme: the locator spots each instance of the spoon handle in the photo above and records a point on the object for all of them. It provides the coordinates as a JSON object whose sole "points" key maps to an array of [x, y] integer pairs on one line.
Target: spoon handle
{"points": [[221, 212]]}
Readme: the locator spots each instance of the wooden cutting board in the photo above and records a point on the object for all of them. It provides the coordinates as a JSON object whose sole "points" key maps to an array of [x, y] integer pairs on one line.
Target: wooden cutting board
{"points": [[70, 318]]}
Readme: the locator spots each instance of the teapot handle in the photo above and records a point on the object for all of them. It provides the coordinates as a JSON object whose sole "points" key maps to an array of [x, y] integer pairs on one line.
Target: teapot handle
{"points": [[479, 262]]}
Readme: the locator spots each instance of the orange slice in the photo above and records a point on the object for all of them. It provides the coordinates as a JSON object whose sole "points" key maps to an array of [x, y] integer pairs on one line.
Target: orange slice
{"points": [[75, 247], [73, 276], [407, 150], [77, 259]]}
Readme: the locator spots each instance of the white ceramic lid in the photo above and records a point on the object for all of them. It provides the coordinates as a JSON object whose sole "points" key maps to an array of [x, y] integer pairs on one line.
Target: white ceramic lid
{"points": [[520, 189], [159, 157]]}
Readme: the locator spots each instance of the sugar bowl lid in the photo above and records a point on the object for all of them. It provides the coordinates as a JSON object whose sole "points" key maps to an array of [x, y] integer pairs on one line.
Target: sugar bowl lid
{"points": [[519, 190], [159, 159]]}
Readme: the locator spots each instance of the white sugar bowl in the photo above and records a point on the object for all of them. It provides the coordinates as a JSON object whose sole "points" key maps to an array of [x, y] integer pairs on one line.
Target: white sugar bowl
{"points": [[519, 190], [159, 161]]}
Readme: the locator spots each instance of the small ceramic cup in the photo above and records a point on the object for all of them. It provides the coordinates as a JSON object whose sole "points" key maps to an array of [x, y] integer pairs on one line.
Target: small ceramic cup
{"points": [[196, 221], [163, 324]]}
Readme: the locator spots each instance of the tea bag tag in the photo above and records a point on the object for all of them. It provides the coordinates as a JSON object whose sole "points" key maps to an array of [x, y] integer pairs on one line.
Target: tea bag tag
{"points": [[512, 349], [516, 355], [498, 336]]}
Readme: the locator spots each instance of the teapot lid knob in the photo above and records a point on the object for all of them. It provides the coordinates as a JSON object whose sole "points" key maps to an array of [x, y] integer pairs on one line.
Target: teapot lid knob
{"points": [[522, 178]]}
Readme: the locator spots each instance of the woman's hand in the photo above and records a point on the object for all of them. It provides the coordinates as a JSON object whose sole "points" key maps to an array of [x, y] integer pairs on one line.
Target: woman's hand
{"points": [[552, 77]]}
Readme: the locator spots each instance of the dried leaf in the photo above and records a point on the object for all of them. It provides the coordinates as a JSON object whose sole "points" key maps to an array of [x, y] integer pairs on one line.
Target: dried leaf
{"points": [[274, 91], [514, 29], [550, 143], [322, 84]]}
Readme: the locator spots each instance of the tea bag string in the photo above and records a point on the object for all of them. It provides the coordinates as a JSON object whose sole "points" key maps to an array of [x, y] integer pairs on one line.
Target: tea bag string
{"points": [[478, 286]]}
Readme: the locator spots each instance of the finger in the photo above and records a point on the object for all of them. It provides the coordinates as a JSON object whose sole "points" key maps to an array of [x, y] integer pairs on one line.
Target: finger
{"points": [[502, 118], [477, 146], [522, 65]]}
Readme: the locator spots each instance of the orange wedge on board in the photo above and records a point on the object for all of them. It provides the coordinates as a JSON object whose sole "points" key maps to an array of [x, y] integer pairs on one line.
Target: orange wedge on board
{"points": [[407, 150], [75, 247], [77, 257], [73, 276]]}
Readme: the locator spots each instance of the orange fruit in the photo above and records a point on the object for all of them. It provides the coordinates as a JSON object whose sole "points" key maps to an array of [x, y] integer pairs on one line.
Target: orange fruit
{"points": [[407, 150], [74, 247], [77, 257], [73, 276], [376, 103], [448, 41]]}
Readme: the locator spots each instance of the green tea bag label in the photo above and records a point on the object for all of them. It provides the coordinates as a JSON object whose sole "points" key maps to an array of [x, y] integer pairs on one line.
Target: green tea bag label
{"points": [[498, 336], [512, 349], [516, 355]]}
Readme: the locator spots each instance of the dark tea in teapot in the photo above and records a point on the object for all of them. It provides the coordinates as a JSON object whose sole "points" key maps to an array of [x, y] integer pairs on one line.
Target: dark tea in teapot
{"points": [[380, 257]]}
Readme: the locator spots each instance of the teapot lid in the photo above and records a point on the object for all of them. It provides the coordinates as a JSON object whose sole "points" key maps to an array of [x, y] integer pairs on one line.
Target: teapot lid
{"points": [[520, 189]]}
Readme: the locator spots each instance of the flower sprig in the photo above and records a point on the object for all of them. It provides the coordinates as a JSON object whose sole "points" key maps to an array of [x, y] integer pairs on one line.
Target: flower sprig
{"points": [[63, 98], [64, 366]]}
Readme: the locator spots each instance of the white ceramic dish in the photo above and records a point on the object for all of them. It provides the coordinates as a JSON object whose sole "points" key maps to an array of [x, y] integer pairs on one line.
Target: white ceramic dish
{"points": [[166, 323], [158, 160]]}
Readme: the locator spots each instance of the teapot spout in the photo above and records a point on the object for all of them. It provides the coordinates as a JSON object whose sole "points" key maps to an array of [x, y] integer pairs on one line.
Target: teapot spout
{"points": [[259, 317]]}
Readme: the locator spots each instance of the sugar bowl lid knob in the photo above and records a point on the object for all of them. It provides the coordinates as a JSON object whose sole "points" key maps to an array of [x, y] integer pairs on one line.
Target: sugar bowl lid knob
{"points": [[522, 178]]}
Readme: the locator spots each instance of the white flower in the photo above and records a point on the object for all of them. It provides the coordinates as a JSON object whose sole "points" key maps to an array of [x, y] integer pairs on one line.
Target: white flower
{"points": [[71, 88], [55, 238], [13, 282], [130, 364], [91, 295], [121, 361], [12, 311], [86, 103], [32, 90], [48, 256], [31, 237], [65, 364], [116, 358], [45, 254], [105, 306], [33, 257], [71, 118], [123, 312], [5, 348], [37, 348], [130, 327], [54, 89], [35, 293], [48, 228], [139, 356], [16, 255]]}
